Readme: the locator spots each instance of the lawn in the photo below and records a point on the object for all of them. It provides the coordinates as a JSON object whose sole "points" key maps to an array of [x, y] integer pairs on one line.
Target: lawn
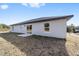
{"points": [[13, 45]]}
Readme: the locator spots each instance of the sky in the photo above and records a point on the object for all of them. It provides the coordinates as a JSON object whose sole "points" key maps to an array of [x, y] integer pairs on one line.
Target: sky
{"points": [[11, 13]]}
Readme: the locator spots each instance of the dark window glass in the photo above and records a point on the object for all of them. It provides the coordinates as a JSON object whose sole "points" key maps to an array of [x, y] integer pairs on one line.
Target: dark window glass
{"points": [[46, 29], [46, 26], [29, 27]]}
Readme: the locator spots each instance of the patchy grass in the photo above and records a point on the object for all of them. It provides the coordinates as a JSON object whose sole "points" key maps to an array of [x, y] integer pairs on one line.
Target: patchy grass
{"points": [[72, 44], [2, 30], [11, 44]]}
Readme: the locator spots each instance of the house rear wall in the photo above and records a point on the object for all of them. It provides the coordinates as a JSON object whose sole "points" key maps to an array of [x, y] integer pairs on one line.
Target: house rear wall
{"points": [[57, 28]]}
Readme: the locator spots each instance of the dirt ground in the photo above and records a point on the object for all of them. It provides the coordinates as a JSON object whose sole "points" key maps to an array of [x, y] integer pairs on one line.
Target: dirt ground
{"points": [[13, 45]]}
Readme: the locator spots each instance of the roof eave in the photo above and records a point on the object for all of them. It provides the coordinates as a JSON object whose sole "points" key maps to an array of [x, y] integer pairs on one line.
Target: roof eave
{"points": [[58, 18]]}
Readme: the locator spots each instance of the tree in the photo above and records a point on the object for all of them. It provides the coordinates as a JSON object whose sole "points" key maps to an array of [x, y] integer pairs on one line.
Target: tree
{"points": [[71, 28], [3, 26]]}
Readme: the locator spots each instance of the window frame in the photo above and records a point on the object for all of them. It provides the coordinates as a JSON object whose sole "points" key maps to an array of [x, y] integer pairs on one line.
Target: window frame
{"points": [[46, 27], [29, 29]]}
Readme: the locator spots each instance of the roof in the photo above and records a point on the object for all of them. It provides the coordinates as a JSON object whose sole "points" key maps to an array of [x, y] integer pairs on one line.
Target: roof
{"points": [[42, 19]]}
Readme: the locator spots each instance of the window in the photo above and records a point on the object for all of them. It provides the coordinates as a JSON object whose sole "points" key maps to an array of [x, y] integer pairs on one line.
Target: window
{"points": [[46, 27], [12, 27], [29, 29]]}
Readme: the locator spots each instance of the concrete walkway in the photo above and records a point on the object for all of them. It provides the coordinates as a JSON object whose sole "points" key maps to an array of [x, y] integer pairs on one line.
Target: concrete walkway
{"points": [[25, 35]]}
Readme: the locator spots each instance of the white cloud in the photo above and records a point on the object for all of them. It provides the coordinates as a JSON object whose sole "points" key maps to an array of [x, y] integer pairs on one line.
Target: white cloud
{"points": [[37, 5], [25, 4], [3, 7]]}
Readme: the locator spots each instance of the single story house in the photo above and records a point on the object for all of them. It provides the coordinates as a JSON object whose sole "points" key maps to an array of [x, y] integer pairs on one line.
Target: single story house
{"points": [[77, 29], [44, 26]]}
